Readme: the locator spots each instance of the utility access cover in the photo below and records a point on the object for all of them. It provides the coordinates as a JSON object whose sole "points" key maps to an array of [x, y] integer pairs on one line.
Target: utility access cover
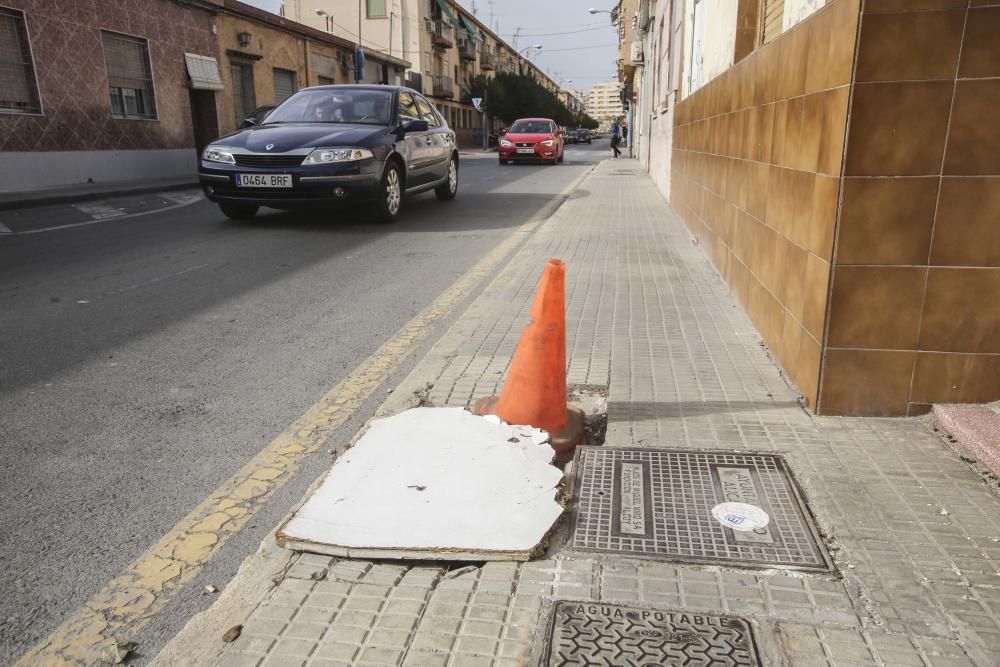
{"points": [[592, 633], [685, 506]]}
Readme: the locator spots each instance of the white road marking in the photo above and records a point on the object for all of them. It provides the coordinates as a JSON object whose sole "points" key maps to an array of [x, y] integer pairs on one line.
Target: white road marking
{"points": [[4, 229], [99, 211], [94, 222]]}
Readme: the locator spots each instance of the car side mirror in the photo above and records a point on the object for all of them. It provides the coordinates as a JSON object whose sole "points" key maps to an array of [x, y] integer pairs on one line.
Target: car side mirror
{"points": [[248, 122], [415, 126]]}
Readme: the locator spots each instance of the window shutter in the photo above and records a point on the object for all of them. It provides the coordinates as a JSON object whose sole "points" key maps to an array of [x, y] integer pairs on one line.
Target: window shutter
{"points": [[773, 16], [126, 61], [284, 84]]}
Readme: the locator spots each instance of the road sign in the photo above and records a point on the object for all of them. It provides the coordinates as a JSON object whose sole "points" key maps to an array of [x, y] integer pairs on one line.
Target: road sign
{"points": [[477, 102]]}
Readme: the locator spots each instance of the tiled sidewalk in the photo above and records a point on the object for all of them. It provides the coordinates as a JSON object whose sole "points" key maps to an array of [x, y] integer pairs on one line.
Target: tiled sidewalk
{"points": [[914, 532]]}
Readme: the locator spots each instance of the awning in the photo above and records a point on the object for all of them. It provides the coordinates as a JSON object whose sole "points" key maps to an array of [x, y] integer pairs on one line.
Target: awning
{"points": [[204, 72], [470, 27], [447, 11]]}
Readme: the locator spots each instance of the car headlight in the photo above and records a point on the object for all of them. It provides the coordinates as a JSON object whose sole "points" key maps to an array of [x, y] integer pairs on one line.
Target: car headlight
{"points": [[547, 142], [218, 154], [328, 155], [504, 142]]}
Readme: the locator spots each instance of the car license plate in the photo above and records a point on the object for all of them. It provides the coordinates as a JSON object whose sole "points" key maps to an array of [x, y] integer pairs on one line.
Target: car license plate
{"points": [[525, 150], [263, 180]]}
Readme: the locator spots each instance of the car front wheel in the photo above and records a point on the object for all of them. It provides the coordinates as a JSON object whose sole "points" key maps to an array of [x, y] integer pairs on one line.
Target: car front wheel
{"points": [[238, 211], [390, 198], [449, 188]]}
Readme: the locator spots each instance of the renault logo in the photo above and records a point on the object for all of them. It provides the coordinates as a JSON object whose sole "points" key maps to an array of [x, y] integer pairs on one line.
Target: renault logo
{"points": [[268, 147]]}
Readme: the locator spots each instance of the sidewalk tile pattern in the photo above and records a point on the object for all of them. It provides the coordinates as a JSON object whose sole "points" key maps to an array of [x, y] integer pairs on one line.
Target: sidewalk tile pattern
{"points": [[913, 531]]}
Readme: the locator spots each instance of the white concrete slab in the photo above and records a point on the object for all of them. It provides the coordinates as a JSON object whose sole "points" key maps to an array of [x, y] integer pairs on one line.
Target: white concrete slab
{"points": [[433, 483]]}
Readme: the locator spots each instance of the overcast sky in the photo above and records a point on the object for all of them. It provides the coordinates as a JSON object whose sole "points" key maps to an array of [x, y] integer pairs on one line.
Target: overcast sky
{"points": [[585, 51]]}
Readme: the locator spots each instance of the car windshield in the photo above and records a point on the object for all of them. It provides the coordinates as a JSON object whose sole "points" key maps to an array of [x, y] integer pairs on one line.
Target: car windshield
{"points": [[531, 127], [369, 107]]}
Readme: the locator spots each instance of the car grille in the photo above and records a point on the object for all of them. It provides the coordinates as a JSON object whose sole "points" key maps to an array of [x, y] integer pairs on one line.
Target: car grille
{"points": [[269, 160], [524, 145]]}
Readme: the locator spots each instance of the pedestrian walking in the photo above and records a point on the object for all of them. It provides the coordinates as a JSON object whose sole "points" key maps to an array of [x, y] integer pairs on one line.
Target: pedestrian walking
{"points": [[616, 137]]}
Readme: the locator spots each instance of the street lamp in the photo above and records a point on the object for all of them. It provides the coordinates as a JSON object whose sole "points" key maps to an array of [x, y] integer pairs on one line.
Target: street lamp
{"points": [[598, 11], [537, 47], [322, 12]]}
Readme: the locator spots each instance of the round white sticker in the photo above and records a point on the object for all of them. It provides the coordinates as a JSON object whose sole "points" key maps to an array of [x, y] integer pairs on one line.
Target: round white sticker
{"points": [[740, 516]]}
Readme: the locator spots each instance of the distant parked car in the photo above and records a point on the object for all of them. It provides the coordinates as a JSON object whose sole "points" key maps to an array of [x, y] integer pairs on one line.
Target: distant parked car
{"points": [[532, 139], [257, 116], [582, 135], [330, 144]]}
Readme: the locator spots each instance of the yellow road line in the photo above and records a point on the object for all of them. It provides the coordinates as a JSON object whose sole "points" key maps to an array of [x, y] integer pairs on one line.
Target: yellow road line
{"points": [[129, 601]]}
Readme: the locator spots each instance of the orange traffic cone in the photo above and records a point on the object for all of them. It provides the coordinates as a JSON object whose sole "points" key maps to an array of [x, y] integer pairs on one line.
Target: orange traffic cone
{"points": [[535, 390]]}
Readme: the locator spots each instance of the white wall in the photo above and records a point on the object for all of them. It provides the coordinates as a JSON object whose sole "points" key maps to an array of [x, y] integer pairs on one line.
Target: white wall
{"points": [[798, 10], [49, 169], [718, 43], [665, 77]]}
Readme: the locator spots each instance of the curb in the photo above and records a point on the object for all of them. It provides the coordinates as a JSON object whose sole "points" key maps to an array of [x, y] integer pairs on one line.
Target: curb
{"points": [[42, 198]]}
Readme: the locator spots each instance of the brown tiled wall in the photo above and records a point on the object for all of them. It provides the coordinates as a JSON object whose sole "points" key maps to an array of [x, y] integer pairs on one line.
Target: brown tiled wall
{"points": [[915, 288], [757, 161]]}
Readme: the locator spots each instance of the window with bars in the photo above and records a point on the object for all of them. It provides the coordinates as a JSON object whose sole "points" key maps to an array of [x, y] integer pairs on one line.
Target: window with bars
{"points": [[284, 84], [18, 86], [376, 9], [244, 96], [325, 80], [130, 76]]}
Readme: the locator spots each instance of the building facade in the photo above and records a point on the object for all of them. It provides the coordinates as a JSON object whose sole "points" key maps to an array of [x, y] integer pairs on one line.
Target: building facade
{"points": [[265, 58], [104, 94], [573, 100], [604, 103], [98, 94], [839, 163], [446, 46]]}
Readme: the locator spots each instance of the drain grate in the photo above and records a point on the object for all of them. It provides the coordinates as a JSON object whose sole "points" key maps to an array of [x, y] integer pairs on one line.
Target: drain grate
{"points": [[593, 633], [657, 504]]}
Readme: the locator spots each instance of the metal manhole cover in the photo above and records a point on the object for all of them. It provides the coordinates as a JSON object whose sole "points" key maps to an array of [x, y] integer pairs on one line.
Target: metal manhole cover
{"points": [[658, 504], [593, 633]]}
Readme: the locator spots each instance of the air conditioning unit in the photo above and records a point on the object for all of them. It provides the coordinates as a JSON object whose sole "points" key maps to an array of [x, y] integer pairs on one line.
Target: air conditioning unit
{"points": [[635, 53]]}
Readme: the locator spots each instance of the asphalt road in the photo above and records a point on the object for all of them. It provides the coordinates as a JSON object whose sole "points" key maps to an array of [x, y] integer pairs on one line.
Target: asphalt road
{"points": [[149, 348]]}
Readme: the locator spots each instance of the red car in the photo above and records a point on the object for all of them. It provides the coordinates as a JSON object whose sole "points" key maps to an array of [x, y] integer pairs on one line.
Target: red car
{"points": [[532, 139]]}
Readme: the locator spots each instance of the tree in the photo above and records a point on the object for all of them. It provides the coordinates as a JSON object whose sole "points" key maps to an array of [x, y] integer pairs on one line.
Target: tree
{"points": [[512, 96], [585, 120]]}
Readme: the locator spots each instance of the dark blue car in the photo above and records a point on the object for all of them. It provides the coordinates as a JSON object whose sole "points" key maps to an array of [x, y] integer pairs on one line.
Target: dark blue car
{"points": [[334, 144]]}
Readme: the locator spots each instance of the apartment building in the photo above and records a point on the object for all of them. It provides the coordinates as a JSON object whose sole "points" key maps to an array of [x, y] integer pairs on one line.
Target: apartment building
{"points": [[446, 46], [267, 57], [574, 100], [604, 103]]}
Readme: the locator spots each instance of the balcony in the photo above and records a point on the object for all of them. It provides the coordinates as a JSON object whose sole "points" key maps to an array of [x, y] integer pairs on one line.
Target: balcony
{"points": [[466, 49], [443, 87], [442, 34], [487, 61], [415, 81]]}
